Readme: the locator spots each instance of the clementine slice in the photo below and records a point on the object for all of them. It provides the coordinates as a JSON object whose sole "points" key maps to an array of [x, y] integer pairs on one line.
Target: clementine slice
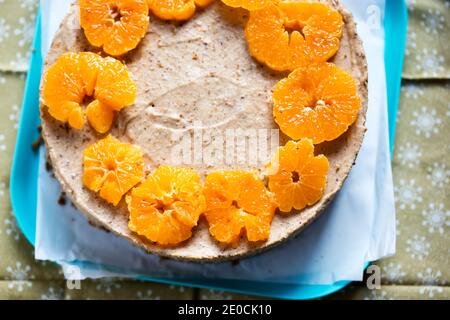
{"points": [[114, 87], [75, 76], [176, 9], [112, 168], [297, 177], [76, 117], [166, 206], [318, 102], [116, 25], [203, 3], [237, 201], [100, 116], [250, 5], [290, 35], [89, 66], [63, 87]]}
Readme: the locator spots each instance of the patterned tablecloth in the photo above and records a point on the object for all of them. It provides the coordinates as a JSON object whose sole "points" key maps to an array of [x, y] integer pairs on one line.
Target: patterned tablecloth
{"points": [[421, 166]]}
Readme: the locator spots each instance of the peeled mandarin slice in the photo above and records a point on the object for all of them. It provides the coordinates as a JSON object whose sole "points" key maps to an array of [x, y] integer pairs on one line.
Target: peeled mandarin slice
{"points": [[320, 25], [173, 9], [290, 35], [267, 38], [297, 177], [203, 3], [176, 9], [116, 25], [237, 201], [100, 116], [77, 75], [112, 168], [250, 5], [76, 118], [166, 206], [90, 65], [115, 87], [63, 87], [319, 102]]}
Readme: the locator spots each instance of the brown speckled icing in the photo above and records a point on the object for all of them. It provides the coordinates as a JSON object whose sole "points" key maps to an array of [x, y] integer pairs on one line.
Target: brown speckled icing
{"points": [[196, 71]]}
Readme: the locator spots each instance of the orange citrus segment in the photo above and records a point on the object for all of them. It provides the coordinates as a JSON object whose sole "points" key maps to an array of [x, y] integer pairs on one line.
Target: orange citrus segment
{"points": [[319, 102], [166, 206], [203, 3], [268, 41], [100, 116], [290, 35], [63, 86], [76, 117], [112, 168], [114, 87], [250, 5], [90, 65], [77, 75], [237, 201], [116, 25], [176, 9], [297, 177], [173, 9]]}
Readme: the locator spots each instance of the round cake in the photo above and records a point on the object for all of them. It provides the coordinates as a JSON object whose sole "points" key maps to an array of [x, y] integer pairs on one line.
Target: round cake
{"points": [[196, 81]]}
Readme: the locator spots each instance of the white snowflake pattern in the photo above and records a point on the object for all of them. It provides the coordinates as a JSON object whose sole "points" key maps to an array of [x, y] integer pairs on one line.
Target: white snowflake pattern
{"points": [[2, 142], [147, 295], [180, 289], [438, 174], [12, 229], [4, 30], [408, 194], [28, 4], [377, 295], [409, 154], [412, 90], [107, 285], [430, 279], [397, 227], [20, 63], [53, 294], [429, 62], [2, 189], [393, 272], [418, 247], [19, 285], [21, 275], [216, 295], [14, 116], [430, 291], [411, 44], [25, 31], [410, 4], [432, 21], [436, 218], [426, 122]]}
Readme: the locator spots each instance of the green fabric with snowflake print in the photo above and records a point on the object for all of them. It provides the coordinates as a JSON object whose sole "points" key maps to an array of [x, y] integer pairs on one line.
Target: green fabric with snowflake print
{"points": [[421, 169]]}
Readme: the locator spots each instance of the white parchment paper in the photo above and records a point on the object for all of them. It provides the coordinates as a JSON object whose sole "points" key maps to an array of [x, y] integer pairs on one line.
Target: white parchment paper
{"points": [[358, 226]]}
